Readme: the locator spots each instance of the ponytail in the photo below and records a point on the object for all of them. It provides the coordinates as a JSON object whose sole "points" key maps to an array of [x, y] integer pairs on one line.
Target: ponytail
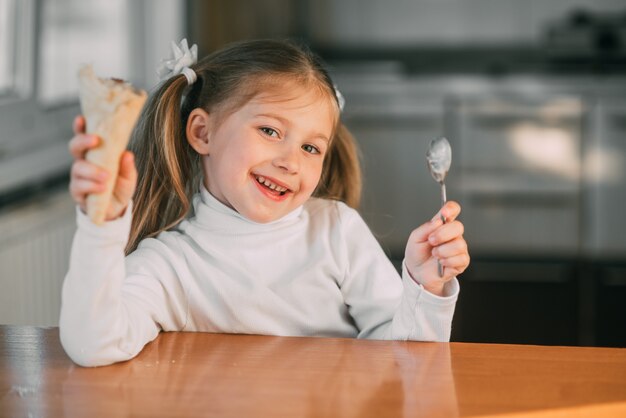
{"points": [[168, 168], [341, 172]]}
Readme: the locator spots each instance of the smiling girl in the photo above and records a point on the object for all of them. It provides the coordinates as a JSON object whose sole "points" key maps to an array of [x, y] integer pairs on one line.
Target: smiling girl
{"points": [[243, 220]]}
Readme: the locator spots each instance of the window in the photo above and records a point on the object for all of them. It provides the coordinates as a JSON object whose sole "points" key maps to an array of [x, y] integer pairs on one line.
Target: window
{"points": [[42, 45], [76, 32]]}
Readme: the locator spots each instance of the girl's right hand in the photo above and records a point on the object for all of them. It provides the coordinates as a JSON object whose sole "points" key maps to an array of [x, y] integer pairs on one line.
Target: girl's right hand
{"points": [[87, 178]]}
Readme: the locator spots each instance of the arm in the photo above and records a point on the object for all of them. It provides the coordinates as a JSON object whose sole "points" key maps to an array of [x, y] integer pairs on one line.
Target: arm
{"points": [[383, 305], [112, 306]]}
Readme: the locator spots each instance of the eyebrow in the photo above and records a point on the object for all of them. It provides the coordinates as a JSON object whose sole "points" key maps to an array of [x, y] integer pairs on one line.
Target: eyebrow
{"points": [[286, 122], [273, 116]]}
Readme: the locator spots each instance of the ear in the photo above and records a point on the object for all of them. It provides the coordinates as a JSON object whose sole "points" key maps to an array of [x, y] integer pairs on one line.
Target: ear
{"points": [[198, 130]]}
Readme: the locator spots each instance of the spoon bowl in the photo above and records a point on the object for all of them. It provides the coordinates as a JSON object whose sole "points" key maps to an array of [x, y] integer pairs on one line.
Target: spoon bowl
{"points": [[439, 157]]}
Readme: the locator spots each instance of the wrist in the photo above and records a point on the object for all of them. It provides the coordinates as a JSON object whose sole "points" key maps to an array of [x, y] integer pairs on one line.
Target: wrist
{"points": [[117, 214], [435, 287]]}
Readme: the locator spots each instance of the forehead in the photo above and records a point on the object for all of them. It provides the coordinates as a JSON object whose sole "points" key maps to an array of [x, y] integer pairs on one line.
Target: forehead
{"points": [[293, 95], [297, 100]]}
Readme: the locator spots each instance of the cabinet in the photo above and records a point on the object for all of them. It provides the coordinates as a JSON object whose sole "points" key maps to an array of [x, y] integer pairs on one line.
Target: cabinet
{"points": [[610, 304], [519, 162], [605, 179], [393, 124], [539, 166], [518, 301]]}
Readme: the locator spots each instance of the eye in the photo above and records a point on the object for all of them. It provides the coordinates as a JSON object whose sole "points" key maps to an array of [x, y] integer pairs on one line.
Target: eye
{"points": [[311, 149], [269, 132]]}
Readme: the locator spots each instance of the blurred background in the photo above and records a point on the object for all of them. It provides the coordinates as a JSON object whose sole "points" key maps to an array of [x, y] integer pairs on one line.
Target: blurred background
{"points": [[531, 95]]}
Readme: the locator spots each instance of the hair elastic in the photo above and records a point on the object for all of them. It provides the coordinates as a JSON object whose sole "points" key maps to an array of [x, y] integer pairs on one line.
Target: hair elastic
{"points": [[190, 75]]}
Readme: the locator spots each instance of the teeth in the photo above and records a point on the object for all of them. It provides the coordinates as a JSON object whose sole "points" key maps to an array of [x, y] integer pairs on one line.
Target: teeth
{"points": [[270, 185]]}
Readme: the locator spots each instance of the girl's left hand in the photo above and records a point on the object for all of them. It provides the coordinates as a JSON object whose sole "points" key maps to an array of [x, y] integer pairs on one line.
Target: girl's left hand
{"points": [[434, 241]]}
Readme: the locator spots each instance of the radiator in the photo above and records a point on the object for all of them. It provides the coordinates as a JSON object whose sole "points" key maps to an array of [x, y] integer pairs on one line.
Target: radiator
{"points": [[35, 240]]}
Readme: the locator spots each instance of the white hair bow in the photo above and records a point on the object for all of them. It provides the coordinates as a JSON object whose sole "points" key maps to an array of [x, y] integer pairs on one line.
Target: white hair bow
{"points": [[182, 59]]}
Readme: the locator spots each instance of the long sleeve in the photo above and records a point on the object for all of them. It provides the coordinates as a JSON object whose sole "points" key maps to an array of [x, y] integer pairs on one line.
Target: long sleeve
{"points": [[111, 305], [324, 274], [384, 305]]}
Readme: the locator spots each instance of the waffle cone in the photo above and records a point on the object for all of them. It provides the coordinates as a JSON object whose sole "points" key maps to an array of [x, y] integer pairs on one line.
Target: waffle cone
{"points": [[111, 109]]}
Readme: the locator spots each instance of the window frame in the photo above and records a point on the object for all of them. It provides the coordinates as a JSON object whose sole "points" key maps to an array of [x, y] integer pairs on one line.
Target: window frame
{"points": [[8, 28], [25, 32]]}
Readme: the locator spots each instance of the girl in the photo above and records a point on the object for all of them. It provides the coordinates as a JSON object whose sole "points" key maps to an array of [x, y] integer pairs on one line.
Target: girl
{"points": [[242, 220]]}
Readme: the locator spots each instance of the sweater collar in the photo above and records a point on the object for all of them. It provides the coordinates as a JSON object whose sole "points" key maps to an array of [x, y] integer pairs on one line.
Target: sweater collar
{"points": [[212, 212]]}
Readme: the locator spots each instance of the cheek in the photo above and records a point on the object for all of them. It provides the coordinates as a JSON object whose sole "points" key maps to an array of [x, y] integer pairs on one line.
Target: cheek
{"points": [[236, 157], [234, 168], [225, 169], [314, 173]]}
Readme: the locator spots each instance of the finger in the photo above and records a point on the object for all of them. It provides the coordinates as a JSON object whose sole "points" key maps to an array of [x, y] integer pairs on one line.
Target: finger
{"points": [[83, 169], [81, 200], [80, 188], [127, 179], [127, 166], [446, 232], [79, 124], [450, 249], [81, 143], [458, 262], [421, 233], [450, 210]]}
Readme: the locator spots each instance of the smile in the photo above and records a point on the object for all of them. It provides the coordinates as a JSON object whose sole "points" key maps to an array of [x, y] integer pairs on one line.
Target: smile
{"points": [[271, 186]]}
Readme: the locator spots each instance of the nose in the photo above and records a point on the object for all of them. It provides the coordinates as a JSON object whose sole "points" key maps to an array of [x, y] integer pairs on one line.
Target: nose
{"points": [[288, 160]]}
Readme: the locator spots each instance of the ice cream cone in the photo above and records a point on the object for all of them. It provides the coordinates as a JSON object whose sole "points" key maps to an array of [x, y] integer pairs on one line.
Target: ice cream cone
{"points": [[111, 109]]}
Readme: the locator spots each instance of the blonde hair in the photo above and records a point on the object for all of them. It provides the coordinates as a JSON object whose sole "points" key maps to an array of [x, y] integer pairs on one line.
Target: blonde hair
{"points": [[169, 169]]}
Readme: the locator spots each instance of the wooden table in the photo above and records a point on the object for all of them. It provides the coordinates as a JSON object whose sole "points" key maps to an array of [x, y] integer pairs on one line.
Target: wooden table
{"points": [[195, 374]]}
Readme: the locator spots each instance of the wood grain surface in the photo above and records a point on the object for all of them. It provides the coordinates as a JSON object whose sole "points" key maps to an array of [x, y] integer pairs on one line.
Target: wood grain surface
{"points": [[222, 375]]}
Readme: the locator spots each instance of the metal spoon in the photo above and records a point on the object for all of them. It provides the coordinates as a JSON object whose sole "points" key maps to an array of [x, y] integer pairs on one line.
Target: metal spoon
{"points": [[439, 157]]}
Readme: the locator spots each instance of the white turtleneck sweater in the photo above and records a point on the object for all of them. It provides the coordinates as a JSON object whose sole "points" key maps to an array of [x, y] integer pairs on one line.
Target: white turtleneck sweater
{"points": [[318, 271]]}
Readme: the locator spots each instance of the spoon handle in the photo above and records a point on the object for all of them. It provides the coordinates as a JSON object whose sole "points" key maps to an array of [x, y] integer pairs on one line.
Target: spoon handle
{"points": [[443, 199], [443, 219]]}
